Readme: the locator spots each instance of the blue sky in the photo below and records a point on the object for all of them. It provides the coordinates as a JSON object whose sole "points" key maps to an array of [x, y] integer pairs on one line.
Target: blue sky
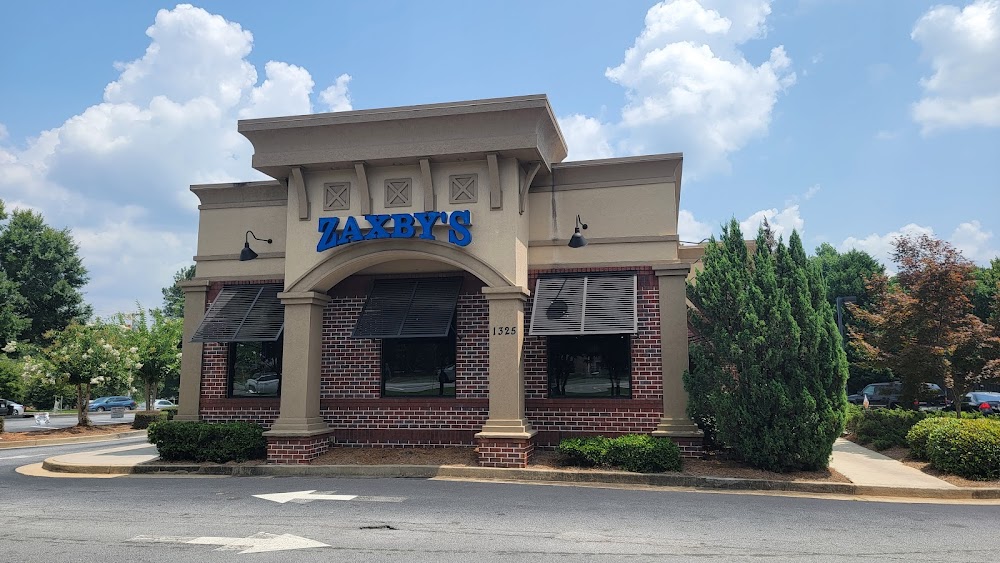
{"points": [[850, 120]]}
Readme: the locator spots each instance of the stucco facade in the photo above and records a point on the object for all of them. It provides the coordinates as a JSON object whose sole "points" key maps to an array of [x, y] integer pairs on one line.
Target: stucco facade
{"points": [[472, 194]]}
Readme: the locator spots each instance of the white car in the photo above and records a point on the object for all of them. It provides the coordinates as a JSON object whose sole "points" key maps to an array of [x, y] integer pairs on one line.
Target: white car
{"points": [[14, 409], [158, 404], [264, 384]]}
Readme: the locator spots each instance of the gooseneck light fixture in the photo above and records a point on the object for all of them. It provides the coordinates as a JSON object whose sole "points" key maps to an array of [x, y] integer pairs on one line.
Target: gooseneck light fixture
{"points": [[248, 253], [577, 240]]}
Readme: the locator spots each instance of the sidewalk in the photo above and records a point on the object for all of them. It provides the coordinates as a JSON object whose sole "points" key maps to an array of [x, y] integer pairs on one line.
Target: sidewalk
{"points": [[871, 474]]}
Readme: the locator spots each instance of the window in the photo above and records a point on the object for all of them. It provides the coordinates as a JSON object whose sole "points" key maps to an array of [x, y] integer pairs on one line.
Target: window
{"points": [[255, 368], [586, 366], [418, 367]]}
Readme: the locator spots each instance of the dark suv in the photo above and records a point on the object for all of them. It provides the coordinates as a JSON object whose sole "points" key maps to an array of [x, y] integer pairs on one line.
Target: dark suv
{"points": [[889, 394]]}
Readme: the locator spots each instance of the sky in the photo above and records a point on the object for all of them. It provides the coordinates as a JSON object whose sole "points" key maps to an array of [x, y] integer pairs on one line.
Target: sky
{"points": [[852, 121]]}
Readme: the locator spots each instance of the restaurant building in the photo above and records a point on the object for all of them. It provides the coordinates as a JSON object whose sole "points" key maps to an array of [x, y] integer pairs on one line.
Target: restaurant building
{"points": [[436, 275]]}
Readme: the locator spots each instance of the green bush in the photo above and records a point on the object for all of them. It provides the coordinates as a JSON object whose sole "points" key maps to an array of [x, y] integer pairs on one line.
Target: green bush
{"points": [[633, 452], [171, 412], [970, 448], [916, 438], [854, 414], [204, 441], [144, 418], [885, 428], [1, 424]]}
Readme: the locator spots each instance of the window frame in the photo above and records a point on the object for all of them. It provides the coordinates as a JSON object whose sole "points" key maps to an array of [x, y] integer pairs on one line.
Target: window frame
{"points": [[231, 366], [551, 373]]}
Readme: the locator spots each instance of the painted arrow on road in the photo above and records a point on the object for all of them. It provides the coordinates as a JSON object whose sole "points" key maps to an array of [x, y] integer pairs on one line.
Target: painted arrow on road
{"points": [[309, 496], [258, 543]]}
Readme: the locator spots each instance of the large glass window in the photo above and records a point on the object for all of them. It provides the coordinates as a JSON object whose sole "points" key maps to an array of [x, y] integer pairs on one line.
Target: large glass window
{"points": [[593, 365], [255, 368], [418, 367]]}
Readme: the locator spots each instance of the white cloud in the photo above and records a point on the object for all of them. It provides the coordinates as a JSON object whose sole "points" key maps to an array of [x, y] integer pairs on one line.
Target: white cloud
{"points": [[118, 173], [586, 136], [975, 243], [690, 229], [782, 222], [3, 132], [963, 48], [884, 135], [337, 97], [689, 87]]}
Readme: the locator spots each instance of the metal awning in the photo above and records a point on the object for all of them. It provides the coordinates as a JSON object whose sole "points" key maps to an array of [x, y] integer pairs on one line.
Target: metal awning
{"points": [[243, 313], [585, 304], [409, 308]]}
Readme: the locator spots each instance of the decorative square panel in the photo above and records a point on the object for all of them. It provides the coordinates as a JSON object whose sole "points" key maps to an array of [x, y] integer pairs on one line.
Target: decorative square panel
{"points": [[463, 188], [337, 196], [398, 192]]}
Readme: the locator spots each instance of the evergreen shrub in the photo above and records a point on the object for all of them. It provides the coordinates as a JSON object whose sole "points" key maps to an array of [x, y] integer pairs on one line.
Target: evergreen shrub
{"points": [[170, 412], [1, 424], [640, 453], [143, 419], [969, 448], [917, 437], [204, 441], [885, 428]]}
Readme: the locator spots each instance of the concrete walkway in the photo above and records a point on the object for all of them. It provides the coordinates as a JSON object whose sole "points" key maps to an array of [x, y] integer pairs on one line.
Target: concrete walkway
{"points": [[865, 467], [873, 475]]}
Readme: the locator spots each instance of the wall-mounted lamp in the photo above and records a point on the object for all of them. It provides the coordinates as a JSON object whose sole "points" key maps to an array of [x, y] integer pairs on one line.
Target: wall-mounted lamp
{"points": [[577, 240], [247, 253]]}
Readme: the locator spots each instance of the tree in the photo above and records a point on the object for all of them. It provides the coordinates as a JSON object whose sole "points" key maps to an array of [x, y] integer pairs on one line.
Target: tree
{"points": [[156, 347], [173, 296], [986, 289], [44, 266], [89, 355], [923, 327], [773, 368], [846, 274], [12, 323]]}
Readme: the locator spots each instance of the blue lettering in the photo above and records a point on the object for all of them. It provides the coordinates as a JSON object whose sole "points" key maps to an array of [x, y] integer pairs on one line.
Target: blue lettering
{"points": [[402, 225], [427, 220], [352, 233], [459, 233], [327, 226], [378, 226]]}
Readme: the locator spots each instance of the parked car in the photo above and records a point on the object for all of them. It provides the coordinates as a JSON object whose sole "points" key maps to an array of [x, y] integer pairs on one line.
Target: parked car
{"points": [[264, 384], [10, 408], [157, 404], [889, 395], [102, 404], [984, 402]]}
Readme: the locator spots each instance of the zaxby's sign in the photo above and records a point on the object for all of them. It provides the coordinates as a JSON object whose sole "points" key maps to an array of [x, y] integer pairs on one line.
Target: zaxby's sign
{"points": [[404, 225]]}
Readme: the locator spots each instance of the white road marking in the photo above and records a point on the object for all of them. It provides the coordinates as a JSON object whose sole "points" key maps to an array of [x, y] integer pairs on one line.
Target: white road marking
{"points": [[309, 496], [258, 543], [21, 456]]}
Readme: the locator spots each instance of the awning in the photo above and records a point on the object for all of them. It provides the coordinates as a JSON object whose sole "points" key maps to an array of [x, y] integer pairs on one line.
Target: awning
{"points": [[243, 313], [585, 304], [409, 308]]}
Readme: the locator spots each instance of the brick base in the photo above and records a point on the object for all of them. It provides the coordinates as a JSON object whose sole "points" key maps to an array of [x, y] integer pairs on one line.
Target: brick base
{"points": [[293, 450], [691, 448], [502, 452]]}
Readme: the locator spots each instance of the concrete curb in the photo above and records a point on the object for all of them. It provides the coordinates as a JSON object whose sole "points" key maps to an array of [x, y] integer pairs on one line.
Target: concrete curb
{"points": [[75, 440], [533, 476]]}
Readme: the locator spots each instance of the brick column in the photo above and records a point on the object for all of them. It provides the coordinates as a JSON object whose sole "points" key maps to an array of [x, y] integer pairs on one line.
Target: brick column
{"points": [[300, 433], [189, 399], [506, 438], [675, 423]]}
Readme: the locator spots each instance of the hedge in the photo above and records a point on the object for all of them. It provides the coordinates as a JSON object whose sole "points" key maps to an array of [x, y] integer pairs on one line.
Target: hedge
{"points": [[969, 448], [143, 419], [633, 452], [1, 424], [885, 428], [204, 441], [916, 438]]}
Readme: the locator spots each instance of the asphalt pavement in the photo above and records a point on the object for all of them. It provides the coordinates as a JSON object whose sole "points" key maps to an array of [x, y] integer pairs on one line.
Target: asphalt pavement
{"points": [[166, 518]]}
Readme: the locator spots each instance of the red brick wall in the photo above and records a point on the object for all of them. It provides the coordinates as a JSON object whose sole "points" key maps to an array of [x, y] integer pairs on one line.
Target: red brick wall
{"points": [[504, 453], [555, 419], [285, 451]]}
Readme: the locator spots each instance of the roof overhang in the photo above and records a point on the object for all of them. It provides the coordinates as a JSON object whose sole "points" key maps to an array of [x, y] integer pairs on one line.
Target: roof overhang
{"points": [[522, 127]]}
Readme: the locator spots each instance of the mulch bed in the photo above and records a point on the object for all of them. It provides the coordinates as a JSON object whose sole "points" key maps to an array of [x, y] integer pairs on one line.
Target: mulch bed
{"points": [[548, 459], [71, 432]]}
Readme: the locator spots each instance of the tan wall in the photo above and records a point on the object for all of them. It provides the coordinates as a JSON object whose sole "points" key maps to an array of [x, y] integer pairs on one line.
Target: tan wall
{"points": [[499, 236], [221, 235]]}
